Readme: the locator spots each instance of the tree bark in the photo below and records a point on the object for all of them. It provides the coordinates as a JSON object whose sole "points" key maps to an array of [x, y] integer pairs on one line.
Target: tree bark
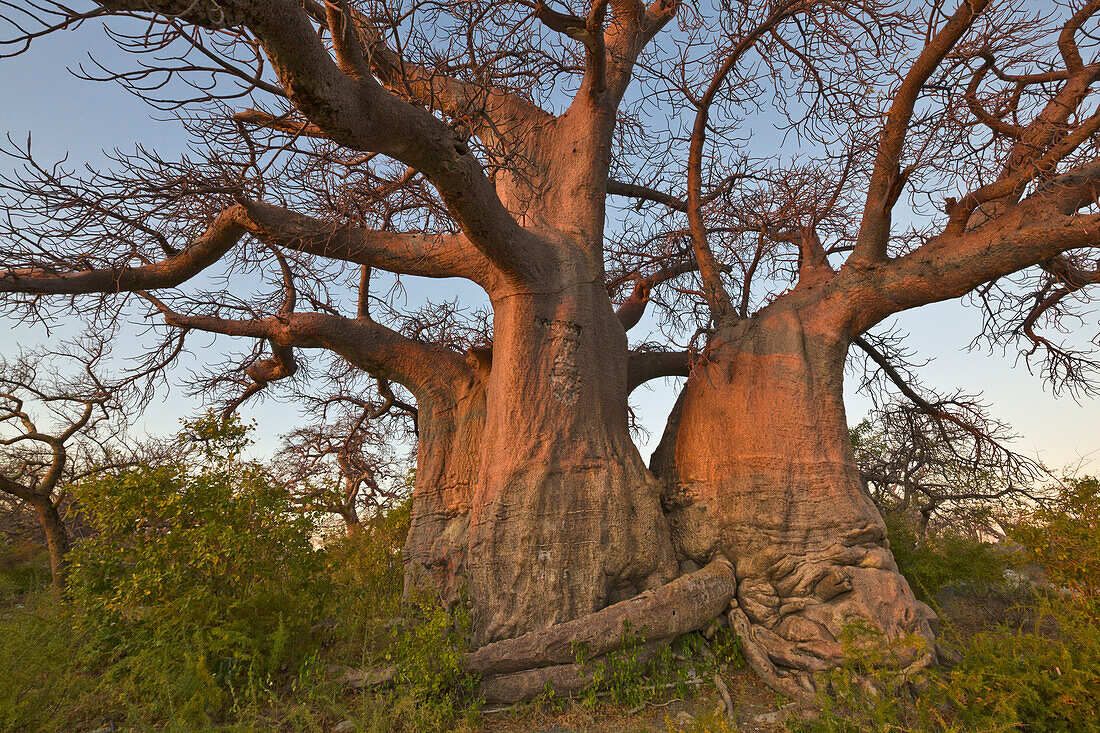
{"points": [[565, 517], [447, 459], [564, 680], [57, 541], [759, 467], [352, 525]]}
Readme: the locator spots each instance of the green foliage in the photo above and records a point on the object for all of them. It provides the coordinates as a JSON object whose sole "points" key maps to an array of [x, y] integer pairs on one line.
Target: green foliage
{"points": [[1046, 679], [1007, 679], [1064, 537], [709, 722], [1045, 674], [637, 673], [199, 583], [367, 568], [36, 664], [942, 558], [195, 606], [1038, 672], [434, 690], [23, 568], [870, 691]]}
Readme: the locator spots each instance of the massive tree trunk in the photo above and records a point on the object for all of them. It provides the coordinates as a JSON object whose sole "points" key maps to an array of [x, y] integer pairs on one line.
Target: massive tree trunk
{"points": [[57, 540], [447, 458], [759, 467], [565, 517]]}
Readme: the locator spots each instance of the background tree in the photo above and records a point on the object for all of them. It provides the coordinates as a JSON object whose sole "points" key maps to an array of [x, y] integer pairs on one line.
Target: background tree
{"points": [[939, 476], [57, 428], [347, 463]]}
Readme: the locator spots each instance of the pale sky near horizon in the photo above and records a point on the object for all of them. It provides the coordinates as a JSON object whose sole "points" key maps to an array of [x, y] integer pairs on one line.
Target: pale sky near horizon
{"points": [[69, 116]]}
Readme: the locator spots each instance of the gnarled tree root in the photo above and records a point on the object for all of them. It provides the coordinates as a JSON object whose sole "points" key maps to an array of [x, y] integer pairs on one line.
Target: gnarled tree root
{"points": [[521, 668], [683, 605], [792, 616], [564, 680], [790, 613]]}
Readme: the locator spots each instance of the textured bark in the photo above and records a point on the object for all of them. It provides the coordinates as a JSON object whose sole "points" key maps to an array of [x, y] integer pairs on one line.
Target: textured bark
{"points": [[565, 518], [57, 540], [760, 468], [446, 468], [684, 605]]}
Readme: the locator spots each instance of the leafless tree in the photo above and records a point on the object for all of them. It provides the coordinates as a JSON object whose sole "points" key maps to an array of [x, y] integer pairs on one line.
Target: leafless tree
{"points": [[58, 426], [939, 475], [348, 461]]}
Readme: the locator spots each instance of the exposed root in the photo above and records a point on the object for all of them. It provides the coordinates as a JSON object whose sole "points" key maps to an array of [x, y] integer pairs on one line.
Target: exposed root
{"points": [[684, 605], [792, 614], [564, 680], [362, 679]]}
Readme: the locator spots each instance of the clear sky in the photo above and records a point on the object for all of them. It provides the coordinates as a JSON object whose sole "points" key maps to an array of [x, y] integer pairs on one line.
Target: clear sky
{"points": [[78, 118]]}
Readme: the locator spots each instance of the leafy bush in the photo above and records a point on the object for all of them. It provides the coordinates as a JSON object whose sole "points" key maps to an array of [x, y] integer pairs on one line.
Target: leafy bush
{"points": [[37, 646], [433, 690], [1047, 679], [1063, 536], [200, 581], [367, 566], [1040, 672], [943, 558]]}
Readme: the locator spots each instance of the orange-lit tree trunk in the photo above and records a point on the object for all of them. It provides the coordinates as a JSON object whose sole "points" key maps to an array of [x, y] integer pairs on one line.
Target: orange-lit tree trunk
{"points": [[447, 460], [565, 518], [760, 469]]}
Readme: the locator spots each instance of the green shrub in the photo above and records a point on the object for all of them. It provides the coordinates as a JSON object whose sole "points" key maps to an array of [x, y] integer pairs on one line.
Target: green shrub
{"points": [[367, 565], [1047, 679], [871, 690], [433, 689], [199, 582], [941, 559], [1040, 672], [40, 677], [24, 568], [1063, 536]]}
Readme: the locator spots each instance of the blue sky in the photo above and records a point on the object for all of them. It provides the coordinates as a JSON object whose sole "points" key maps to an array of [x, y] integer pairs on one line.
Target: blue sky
{"points": [[78, 118]]}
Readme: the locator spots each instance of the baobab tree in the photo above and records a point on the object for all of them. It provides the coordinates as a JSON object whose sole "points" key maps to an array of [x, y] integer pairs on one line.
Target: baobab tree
{"points": [[482, 141]]}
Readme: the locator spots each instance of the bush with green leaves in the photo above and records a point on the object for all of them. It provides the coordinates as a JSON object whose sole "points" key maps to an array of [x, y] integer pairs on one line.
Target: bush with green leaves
{"points": [[1063, 536], [199, 581], [941, 558], [1046, 678]]}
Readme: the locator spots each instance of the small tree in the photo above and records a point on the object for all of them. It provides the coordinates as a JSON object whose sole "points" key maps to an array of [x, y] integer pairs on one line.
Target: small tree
{"points": [[937, 473], [1064, 536], [57, 429], [346, 463]]}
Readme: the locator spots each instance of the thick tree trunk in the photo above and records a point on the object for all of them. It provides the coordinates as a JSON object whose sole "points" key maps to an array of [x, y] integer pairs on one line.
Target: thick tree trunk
{"points": [[448, 454], [57, 541], [565, 517], [761, 470]]}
